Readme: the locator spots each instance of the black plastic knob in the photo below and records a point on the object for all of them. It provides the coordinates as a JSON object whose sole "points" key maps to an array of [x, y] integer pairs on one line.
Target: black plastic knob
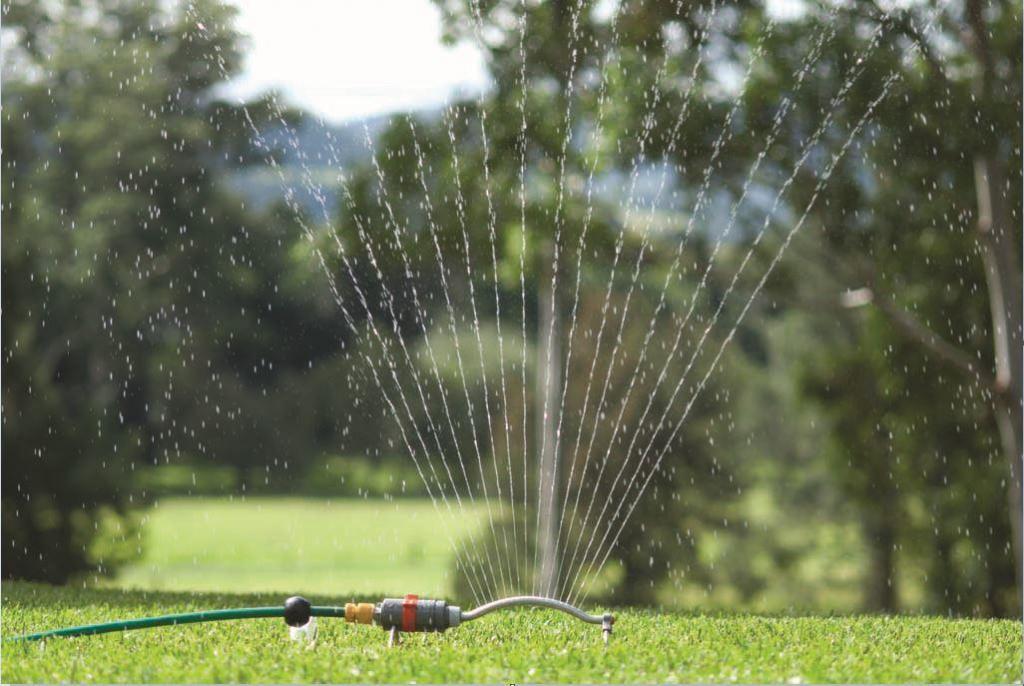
{"points": [[297, 611]]}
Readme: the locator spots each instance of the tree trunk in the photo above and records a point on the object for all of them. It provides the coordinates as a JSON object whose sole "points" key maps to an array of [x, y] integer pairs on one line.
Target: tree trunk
{"points": [[1004, 293], [549, 381], [1003, 278], [944, 575], [880, 529]]}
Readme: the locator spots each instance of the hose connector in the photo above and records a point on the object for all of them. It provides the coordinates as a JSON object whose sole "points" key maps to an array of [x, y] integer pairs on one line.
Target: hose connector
{"points": [[359, 613]]}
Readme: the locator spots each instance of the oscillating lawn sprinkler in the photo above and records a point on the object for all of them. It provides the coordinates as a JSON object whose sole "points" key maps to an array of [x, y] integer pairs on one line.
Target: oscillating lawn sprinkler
{"points": [[394, 615], [410, 614]]}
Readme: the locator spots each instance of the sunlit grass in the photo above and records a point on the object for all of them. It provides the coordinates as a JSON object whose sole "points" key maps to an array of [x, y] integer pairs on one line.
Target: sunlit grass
{"points": [[530, 646], [336, 551]]}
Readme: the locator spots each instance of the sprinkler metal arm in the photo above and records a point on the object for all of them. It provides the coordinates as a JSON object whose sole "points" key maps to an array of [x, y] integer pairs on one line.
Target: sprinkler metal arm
{"points": [[606, 620], [533, 601]]}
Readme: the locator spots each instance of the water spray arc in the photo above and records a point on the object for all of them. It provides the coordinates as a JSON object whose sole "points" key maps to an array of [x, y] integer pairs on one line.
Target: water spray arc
{"points": [[410, 614], [493, 567]]}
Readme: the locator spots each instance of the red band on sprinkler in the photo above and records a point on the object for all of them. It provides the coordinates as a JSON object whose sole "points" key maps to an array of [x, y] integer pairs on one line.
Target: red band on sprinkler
{"points": [[409, 612]]}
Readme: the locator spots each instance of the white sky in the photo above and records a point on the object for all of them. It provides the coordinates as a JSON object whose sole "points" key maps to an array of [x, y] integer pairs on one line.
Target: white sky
{"points": [[347, 59]]}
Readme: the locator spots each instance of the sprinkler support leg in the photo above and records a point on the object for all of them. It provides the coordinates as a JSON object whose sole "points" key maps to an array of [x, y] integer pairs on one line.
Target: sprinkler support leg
{"points": [[394, 637], [606, 627]]}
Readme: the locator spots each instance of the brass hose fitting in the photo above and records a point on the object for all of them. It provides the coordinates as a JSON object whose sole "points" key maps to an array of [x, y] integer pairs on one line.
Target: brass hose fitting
{"points": [[359, 613]]}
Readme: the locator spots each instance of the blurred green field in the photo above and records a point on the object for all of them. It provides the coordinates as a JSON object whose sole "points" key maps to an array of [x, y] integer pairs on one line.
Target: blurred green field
{"points": [[296, 545]]}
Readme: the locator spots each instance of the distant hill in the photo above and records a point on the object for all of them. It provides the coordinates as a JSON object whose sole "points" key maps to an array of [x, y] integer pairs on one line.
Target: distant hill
{"points": [[315, 154]]}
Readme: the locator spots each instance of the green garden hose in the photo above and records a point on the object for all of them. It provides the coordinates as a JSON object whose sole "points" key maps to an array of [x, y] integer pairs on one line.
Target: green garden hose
{"points": [[175, 619]]}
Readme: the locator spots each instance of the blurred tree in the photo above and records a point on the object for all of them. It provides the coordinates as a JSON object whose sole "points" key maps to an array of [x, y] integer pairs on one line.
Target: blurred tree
{"points": [[918, 396], [950, 294], [822, 70], [145, 311]]}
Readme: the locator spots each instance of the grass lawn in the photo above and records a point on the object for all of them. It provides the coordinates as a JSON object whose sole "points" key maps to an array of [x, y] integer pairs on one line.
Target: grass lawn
{"points": [[296, 545], [523, 646]]}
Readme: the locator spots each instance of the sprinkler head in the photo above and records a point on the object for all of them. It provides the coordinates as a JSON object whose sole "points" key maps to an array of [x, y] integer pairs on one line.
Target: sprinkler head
{"points": [[412, 614], [397, 615]]}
